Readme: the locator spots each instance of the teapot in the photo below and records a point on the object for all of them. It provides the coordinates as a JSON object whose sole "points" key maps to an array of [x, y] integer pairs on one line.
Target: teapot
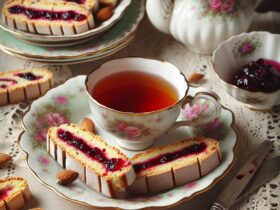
{"points": [[201, 24]]}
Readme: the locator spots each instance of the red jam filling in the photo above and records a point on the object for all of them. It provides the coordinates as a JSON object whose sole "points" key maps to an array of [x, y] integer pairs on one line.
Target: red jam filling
{"points": [[168, 157], [77, 1], [47, 14], [261, 75], [5, 192], [8, 81], [28, 76], [113, 164]]}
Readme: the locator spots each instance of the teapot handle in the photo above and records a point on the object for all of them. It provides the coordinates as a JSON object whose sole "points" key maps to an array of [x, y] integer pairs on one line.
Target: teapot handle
{"points": [[159, 13]]}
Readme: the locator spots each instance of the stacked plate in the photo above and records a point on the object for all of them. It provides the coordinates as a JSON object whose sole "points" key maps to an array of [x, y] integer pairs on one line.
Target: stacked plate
{"points": [[85, 47]]}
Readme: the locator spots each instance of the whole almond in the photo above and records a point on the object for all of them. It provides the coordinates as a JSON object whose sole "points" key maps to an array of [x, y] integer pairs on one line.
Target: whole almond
{"points": [[109, 2], [66, 177], [195, 77], [88, 124], [105, 13], [4, 158]]}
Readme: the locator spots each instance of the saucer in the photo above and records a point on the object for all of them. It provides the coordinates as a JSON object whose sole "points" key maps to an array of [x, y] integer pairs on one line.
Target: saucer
{"points": [[69, 103], [126, 26], [51, 39]]}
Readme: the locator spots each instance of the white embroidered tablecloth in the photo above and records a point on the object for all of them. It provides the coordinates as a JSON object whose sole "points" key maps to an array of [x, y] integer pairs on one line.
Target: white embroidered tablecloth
{"points": [[252, 126]]}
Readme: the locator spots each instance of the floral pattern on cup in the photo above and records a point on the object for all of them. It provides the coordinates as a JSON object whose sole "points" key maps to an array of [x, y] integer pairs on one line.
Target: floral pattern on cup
{"points": [[192, 112], [53, 114], [246, 47], [129, 130]]}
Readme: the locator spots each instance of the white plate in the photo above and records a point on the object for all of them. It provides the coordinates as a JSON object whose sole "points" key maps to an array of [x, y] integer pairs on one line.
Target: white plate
{"points": [[118, 13], [77, 60], [117, 34], [68, 103]]}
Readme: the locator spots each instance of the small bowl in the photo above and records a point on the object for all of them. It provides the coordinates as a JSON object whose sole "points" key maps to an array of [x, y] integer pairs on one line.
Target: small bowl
{"points": [[239, 50]]}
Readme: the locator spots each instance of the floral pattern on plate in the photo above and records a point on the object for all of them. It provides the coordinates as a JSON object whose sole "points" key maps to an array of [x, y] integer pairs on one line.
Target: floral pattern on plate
{"points": [[53, 114], [68, 102]]}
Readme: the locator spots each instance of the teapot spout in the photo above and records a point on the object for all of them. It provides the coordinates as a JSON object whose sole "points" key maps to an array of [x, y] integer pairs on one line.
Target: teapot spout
{"points": [[159, 13]]}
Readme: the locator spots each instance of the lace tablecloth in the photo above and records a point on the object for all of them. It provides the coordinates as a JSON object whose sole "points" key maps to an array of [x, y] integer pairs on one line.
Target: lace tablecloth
{"points": [[252, 126]]}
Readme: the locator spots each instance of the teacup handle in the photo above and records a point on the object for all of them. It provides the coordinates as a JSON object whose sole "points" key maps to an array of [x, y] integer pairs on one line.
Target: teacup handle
{"points": [[203, 117]]}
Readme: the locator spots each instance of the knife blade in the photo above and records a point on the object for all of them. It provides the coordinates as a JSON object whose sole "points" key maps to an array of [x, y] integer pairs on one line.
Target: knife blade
{"points": [[244, 175], [268, 170]]}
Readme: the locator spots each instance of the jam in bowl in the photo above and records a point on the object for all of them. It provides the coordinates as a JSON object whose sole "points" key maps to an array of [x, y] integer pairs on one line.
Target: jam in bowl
{"points": [[261, 75], [248, 68]]}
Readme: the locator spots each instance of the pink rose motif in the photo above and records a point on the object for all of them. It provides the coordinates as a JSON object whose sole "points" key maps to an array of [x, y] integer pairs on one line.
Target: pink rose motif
{"points": [[40, 120], [227, 6], [191, 112], [61, 100], [82, 89], [121, 126], [215, 5], [41, 135], [190, 185], [43, 160], [55, 119], [132, 132], [246, 48]]}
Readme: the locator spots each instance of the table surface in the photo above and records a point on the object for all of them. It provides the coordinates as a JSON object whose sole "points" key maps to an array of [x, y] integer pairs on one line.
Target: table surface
{"points": [[252, 127]]}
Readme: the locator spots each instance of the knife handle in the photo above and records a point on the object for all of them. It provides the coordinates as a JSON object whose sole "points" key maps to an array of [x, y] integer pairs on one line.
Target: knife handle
{"points": [[217, 206]]}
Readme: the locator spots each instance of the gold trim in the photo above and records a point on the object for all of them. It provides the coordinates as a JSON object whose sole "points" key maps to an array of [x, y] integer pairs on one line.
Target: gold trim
{"points": [[131, 113], [92, 32], [137, 23], [73, 62], [215, 181]]}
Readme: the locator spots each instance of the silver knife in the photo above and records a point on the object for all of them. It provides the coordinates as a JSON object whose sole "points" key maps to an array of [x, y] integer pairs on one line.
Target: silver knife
{"points": [[268, 170], [244, 175]]}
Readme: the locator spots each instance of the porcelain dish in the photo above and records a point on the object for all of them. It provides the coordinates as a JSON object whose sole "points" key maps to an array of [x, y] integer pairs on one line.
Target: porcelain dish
{"points": [[151, 124], [39, 38], [98, 55], [205, 24], [240, 50], [119, 36], [69, 103]]}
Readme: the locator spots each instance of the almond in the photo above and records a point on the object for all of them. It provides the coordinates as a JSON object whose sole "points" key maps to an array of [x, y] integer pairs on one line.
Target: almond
{"points": [[4, 158], [109, 2], [66, 177], [88, 124], [105, 13], [195, 77]]}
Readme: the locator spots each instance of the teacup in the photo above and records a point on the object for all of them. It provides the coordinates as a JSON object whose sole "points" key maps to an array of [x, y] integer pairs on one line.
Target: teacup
{"points": [[137, 131]]}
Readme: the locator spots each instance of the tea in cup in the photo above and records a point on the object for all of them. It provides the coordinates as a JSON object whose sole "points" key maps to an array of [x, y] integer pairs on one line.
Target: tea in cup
{"points": [[139, 99]]}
